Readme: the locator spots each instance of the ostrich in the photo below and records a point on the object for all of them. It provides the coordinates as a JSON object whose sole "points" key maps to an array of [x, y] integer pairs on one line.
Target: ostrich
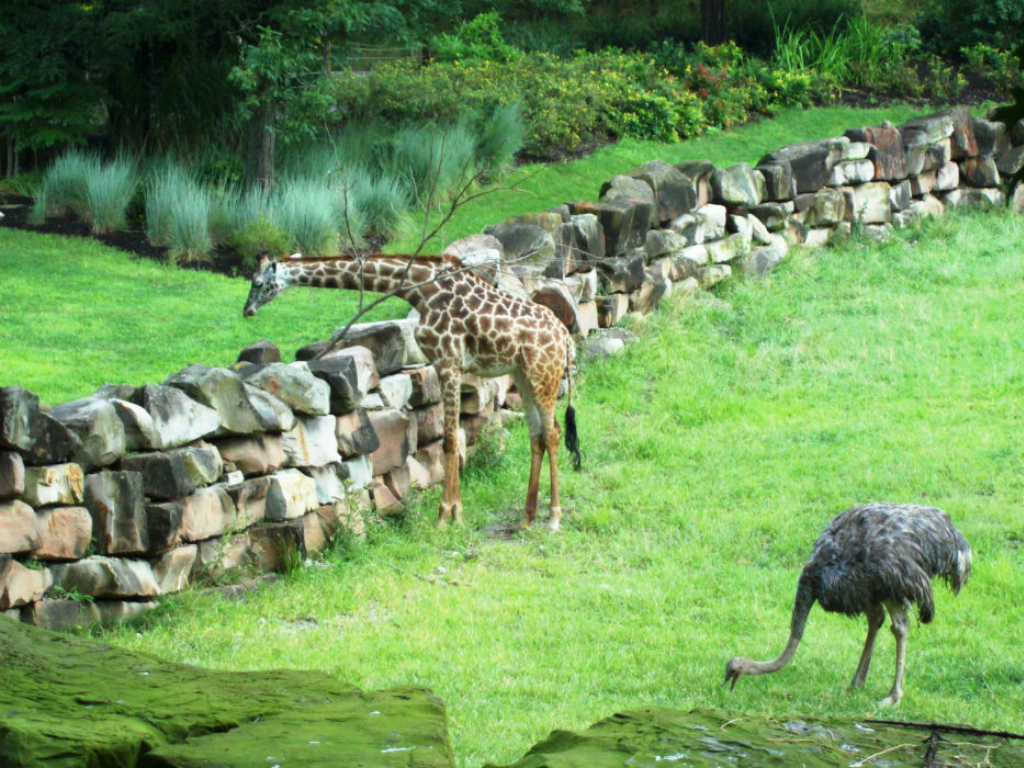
{"points": [[870, 556]]}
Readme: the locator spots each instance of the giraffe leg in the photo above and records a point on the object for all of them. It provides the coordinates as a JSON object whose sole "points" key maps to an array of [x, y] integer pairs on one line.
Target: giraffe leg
{"points": [[900, 625], [551, 436], [532, 488], [876, 617], [536, 453], [451, 500]]}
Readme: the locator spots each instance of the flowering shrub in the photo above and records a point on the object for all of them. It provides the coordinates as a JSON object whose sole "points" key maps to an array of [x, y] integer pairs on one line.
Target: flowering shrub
{"points": [[667, 95]]}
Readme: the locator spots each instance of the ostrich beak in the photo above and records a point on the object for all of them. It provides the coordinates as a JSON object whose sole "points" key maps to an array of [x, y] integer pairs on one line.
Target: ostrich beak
{"points": [[731, 675]]}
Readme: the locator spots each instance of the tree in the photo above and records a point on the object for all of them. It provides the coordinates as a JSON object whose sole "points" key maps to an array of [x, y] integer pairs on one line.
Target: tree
{"points": [[47, 98], [712, 21], [181, 74]]}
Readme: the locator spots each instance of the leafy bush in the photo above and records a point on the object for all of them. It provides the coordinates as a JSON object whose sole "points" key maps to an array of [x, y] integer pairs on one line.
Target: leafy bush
{"points": [[479, 38], [109, 189], [565, 102], [257, 235], [998, 66], [64, 190], [949, 25]]}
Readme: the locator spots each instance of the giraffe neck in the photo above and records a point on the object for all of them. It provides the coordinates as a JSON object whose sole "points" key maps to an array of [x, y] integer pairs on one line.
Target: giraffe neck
{"points": [[378, 274]]}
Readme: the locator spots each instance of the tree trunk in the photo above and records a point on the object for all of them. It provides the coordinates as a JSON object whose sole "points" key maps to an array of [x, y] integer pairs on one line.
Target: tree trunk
{"points": [[712, 21], [260, 165]]}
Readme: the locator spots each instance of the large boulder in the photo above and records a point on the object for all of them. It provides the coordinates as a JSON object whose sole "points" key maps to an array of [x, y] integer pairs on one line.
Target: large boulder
{"points": [[824, 208], [177, 418], [97, 425], [991, 137], [624, 222], [55, 443], [312, 442], [294, 384], [355, 434], [887, 151], [674, 191], [66, 533], [223, 391], [339, 371], [391, 342], [19, 418], [143, 711], [737, 185], [19, 528], [106, 577], [253, 454], [117, 503], [811, 162], [140, 432], [524, 242], [55, 484], [12, 474], [871, 203], [20, 585], [778, 181], [706, 737]]}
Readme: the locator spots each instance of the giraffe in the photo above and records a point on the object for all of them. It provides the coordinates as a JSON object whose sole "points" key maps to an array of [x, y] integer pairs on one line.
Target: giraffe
{"points": [[465, 325]]}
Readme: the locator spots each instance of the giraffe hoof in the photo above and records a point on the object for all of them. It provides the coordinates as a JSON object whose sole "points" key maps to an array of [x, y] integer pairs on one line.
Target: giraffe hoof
{"points": [[890, 701]]}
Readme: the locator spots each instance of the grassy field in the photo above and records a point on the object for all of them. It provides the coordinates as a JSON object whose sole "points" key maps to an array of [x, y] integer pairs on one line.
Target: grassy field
{"points": [[717, 449], [539, 187], [76, 316]]}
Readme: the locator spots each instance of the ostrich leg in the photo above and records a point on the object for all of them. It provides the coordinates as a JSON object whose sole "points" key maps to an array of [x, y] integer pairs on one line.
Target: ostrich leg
{"points": [[876, 617], [900, 625]]}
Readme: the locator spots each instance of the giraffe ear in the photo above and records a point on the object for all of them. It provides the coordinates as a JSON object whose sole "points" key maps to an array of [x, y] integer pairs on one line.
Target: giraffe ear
{"points": [[264, 260]]}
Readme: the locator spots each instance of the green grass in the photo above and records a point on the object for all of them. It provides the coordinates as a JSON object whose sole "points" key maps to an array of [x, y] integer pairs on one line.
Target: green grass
{"points": [[717, 449], [76, 314], [537, 187]]}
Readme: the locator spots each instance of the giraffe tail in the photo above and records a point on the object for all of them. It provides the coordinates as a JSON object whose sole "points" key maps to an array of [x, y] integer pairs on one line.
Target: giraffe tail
{"points": [[572, 438]]}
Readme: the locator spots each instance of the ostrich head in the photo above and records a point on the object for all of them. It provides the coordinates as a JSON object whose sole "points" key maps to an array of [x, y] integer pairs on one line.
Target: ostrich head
{"points": [[266, 284], [738, 666]]}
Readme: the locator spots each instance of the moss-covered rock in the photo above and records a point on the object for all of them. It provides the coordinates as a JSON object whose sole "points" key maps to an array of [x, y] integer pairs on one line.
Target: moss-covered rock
{"points": [[658, 737], [67, 701]]}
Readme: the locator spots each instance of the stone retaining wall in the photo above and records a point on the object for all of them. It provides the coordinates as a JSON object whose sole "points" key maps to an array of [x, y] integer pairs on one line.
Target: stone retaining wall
{"points": [[109, 501]]}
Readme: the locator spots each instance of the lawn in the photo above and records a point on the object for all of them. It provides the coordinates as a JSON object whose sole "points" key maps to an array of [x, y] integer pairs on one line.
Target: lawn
{"points": [[76, 315], [716, 450]]}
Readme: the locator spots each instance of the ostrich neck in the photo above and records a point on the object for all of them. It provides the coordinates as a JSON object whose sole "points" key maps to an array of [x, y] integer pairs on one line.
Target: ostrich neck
{"points": [[801, 609], [408, 280]]}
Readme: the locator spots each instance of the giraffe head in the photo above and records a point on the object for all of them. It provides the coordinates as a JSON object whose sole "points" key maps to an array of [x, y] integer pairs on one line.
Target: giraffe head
{"points": [[266, 284]]}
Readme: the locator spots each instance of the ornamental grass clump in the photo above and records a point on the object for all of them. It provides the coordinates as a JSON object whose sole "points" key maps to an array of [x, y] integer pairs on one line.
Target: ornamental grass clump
{"points": [[500, 135], [109, 190], [64, 191], [433, 161], [178, 214], [381, 200], [318, 217]]}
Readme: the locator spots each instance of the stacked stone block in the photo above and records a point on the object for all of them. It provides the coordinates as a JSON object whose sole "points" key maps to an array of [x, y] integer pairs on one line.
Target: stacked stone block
{"points": [[662, 227], [109, 501]]}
